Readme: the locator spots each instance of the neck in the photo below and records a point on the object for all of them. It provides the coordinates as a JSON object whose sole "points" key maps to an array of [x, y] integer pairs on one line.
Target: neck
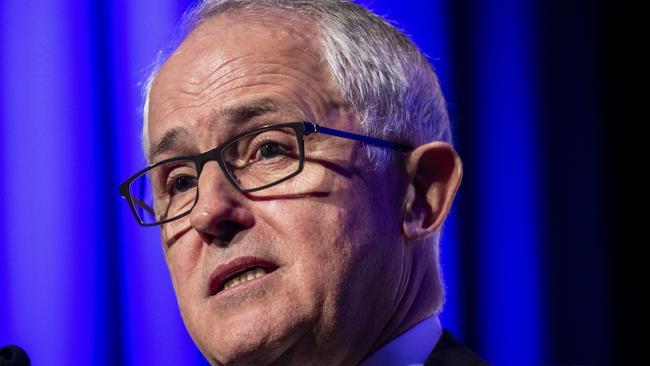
{"points": [[420, 298]]}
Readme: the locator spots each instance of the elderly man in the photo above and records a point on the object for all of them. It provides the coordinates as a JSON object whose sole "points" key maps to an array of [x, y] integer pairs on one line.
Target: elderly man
{"points": [[300, 172]]}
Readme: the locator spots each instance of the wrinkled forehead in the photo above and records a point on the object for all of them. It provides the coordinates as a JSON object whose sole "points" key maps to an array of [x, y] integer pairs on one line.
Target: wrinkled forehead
{"points": [[231, 35], [222, 52]]}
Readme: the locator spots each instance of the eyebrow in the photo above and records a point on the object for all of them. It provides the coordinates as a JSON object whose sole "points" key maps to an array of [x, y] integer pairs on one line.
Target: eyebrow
{"points": [[243, 113], [167, 142], [236, 114]]}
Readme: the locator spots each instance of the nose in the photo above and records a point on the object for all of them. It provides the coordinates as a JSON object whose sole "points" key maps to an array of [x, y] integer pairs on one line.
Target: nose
{"points": [[221, 211]]}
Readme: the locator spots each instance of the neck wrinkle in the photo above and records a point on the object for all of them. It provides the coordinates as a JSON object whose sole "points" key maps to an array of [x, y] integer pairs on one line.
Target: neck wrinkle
{"points": [[417, 301]]}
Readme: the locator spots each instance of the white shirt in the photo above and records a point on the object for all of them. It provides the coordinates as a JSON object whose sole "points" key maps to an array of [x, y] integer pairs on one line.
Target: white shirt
{"points": [[411, 348]]}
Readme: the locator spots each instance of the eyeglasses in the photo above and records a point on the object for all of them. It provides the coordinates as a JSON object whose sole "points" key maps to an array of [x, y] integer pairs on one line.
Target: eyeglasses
{"points": [[252, 161]]}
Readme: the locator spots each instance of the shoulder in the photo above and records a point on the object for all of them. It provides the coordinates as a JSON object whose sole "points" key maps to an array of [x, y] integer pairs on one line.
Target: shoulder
{"points": [[449, 351]]}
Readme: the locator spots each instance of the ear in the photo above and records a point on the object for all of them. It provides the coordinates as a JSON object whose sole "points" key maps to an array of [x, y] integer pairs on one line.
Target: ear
{"points": [[435, 171]]}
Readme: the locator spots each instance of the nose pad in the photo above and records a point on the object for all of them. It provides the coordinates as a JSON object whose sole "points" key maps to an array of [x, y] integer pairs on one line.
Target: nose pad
{"points": [[221, 211]]}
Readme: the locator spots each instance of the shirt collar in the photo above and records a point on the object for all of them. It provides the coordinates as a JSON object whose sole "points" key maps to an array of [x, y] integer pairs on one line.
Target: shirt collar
{"points": [[411, 348]]}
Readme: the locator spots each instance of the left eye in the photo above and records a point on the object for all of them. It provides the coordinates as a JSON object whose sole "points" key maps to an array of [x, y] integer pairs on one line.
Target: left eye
{"points": [[269, 150], [184, 184]]}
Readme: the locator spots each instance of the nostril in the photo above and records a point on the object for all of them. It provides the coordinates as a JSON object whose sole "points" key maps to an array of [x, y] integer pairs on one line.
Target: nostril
{"points": [[224, 233]]}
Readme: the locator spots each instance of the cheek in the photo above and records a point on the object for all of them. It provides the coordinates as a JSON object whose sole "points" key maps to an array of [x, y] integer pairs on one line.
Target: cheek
{"points": [[313, 237], [183, 261], [321, 242]]}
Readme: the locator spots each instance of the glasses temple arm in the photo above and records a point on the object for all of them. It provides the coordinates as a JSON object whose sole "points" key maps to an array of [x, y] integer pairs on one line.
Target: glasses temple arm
{"points": [[143, 205], [315, 128]]}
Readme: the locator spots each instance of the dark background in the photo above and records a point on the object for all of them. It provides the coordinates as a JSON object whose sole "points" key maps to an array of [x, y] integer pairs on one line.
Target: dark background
{"points": [[533, 252]]}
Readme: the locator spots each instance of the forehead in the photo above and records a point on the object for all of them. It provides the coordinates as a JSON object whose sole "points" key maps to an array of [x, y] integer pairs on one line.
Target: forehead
{"points": [[231, 58], [225, 37]]}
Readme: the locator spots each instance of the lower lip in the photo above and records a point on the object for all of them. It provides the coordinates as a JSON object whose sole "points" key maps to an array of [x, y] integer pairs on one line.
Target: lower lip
{"points": [[245, 285]]}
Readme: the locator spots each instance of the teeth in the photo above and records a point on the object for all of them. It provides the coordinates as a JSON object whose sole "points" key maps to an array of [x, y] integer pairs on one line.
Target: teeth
{"points": [[246, 276]]}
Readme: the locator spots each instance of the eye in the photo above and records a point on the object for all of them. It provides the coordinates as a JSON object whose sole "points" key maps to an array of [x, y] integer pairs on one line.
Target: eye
{"points": [[269, 150], [183, 184]]}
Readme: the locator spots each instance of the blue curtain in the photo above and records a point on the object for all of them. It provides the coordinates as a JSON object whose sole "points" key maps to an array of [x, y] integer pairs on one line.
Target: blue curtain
{"points": [[82, 284]]}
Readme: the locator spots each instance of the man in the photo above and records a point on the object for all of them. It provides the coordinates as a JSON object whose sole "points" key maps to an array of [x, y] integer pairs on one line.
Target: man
{"points": [[300, 171]]}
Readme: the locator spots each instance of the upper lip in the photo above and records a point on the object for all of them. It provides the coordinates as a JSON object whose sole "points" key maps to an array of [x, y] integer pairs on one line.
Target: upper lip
{"points": [[226, 271]]}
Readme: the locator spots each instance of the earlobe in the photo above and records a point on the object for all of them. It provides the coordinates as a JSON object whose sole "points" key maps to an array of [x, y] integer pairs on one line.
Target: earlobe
{"points": [[435, 172]]}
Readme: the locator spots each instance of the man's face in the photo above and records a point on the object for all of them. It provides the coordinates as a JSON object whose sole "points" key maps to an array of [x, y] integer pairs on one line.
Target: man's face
{"points": [[326, 241]]}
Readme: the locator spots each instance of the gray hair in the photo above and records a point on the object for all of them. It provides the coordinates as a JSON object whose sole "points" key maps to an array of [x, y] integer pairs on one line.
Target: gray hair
{"points": [[375, 67]]}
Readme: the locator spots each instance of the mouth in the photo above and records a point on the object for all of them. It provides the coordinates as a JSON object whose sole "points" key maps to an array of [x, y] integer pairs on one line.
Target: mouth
{"points": [[239, 271]]}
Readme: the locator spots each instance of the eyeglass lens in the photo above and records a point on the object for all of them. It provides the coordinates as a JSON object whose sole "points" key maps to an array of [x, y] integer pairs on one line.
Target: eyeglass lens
{"points": [[253, 161]]}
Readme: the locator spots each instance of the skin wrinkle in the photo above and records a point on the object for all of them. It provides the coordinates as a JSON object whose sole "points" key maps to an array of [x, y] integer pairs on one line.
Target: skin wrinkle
{"points": [[172, 136], [319, 191], [402, 301], [241, 58], [193, 91], [216, 71], [311, 114], [247, 112], [203, 94], [332, 248], [295, 35], [208, 100], [166, 143], [197, 84], [212, 84], [335, 110]]}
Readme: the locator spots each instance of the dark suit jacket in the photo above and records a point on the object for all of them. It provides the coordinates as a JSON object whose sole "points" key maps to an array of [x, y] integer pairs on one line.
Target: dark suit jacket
{"points": [[448, 352]]}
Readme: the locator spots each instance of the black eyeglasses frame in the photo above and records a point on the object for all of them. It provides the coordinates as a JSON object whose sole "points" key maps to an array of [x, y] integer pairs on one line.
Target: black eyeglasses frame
{"points": [[301, 129]]}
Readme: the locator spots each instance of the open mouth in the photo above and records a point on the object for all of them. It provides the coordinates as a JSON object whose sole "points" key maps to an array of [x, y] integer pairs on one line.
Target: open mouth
{"points": [[239, 271], [245, 276]]}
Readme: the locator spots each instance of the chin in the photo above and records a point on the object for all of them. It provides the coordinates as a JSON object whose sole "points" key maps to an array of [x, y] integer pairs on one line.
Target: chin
{"points": [[241, 352], [251, 337]]}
